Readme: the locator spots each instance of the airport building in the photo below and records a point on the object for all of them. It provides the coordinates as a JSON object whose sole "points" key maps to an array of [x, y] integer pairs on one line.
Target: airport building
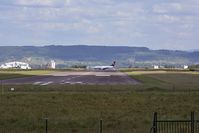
{"points": [[186, 67], [156, 67], [15, 64], [53, 64]]}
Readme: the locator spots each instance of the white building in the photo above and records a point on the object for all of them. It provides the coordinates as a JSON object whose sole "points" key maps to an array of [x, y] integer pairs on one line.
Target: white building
{"points": [[156, 67], [15, 64], [52, 64], [185, 66]]}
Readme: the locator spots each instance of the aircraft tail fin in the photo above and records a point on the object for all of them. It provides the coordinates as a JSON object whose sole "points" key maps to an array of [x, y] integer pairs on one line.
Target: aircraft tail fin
{"points": [[113, 64]]}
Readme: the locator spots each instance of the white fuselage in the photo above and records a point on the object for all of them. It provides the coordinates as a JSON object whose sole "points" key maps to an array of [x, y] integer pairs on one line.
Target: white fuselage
{"points": [[103, 68]]}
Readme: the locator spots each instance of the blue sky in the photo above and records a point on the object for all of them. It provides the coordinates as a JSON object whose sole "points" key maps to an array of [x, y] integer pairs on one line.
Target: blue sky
{"points": [[157, 24]]}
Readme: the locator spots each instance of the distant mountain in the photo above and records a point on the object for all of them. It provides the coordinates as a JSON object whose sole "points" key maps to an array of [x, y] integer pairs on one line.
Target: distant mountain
{"points": [[96, 55], [194, 50]]}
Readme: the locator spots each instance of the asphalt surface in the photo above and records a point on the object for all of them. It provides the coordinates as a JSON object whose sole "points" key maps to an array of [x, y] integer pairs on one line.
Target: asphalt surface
{"points": [[75, 78]]}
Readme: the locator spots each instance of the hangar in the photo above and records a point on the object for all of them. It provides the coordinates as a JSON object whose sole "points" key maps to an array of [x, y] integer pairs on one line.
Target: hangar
{"points": [[15, 64]]}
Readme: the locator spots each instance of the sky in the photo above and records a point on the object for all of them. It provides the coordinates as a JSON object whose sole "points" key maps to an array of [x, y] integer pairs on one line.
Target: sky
{"points": [[156, 24]]}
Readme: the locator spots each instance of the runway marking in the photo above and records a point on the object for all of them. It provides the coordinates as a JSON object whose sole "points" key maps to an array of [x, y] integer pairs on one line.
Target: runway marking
{"points": [[102, 75], [73, 77], [67, 82], [36, 83], [72, 83], [79, 82], [47, 83]]}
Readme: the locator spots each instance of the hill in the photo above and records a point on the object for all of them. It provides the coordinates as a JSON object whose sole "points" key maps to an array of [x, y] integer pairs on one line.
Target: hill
{"points": [[96, 55]]}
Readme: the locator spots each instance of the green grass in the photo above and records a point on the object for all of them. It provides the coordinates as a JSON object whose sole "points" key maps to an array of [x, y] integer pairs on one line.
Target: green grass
{"points": [[128, 112], [78, 108], [166, 80], [15, 73], [9, 74]]}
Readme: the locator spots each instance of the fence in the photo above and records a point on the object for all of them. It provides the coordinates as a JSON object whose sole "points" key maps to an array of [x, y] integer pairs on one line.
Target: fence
{"points": [[59, 125], [53, 125], [175, 126], [49, 125]]}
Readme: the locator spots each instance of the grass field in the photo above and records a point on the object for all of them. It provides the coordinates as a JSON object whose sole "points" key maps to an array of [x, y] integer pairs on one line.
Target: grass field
{"points": [[15, 73], [78, 108], [9, 74], [167, 80]]}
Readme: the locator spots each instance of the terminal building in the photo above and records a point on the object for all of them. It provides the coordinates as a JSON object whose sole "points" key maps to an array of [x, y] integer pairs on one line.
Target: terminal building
{"points": [[16, 65], [52, 64]]}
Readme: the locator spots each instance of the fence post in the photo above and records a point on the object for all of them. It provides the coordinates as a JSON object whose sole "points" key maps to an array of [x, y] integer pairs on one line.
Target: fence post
{"points": [[100, 126], [155, 122], [46, 125], [192, 122]]}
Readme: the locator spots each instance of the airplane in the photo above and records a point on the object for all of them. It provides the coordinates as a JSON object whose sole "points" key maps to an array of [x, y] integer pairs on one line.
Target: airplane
{"points": [[111, 67]]}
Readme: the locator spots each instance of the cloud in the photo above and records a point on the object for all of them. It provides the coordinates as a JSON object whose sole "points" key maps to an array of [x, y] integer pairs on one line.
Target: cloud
{"points": [[167, 7], [101, 21], [43, 3], [179, 8], [168, 19]]}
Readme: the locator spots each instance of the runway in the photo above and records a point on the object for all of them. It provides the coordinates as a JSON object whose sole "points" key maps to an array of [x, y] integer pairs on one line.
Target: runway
{"points": [[90, 78]]}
